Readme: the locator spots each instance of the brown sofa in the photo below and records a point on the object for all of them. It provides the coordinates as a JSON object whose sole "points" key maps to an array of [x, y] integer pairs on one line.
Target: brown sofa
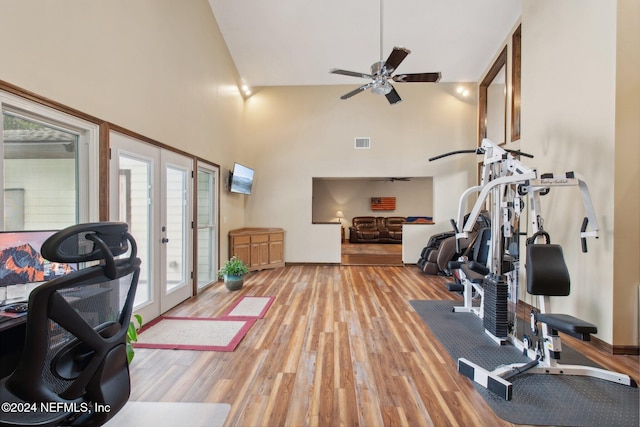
{"points": [[371, 229]]}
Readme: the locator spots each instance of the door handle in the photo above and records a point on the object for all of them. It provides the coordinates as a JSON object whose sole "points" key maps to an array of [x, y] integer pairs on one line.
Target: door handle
{"points": [[164, 240]]}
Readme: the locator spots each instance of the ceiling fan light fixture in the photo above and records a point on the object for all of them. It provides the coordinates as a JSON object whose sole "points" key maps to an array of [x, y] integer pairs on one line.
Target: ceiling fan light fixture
{"points": [[381, 87]]}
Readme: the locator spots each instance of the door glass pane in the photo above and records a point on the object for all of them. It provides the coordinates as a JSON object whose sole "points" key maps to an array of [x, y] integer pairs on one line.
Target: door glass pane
{"points": [[206, 228], [40, 172], [135, 210], [176, 227]]}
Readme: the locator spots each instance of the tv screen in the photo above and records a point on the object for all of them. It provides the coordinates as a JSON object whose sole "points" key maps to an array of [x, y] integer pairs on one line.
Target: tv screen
{"points": [[241, 179], [21, 261]]}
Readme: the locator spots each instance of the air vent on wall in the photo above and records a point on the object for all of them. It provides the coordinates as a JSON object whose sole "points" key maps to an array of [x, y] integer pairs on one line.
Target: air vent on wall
{"points": [[363, 142]]}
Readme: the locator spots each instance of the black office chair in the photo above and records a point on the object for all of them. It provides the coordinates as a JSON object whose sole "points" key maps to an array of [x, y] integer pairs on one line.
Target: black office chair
{"points": [[74, 368]]}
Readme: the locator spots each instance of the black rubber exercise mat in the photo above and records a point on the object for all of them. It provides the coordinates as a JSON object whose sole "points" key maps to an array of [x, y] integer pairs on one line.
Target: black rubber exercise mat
{"points": [[538, 399]]}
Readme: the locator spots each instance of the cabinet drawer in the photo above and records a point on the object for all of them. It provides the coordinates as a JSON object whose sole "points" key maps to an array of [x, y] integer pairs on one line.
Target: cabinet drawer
{"points": [[238, 240], [259, 238], [275, 237]]}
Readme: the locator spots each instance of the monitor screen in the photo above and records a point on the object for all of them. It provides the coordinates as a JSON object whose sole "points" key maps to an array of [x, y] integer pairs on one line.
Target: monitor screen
{"points": [[241, 179], [21, 261]]}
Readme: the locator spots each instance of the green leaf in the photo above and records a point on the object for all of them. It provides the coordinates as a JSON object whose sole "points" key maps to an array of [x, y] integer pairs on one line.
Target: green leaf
{"points": [[130, 353]]}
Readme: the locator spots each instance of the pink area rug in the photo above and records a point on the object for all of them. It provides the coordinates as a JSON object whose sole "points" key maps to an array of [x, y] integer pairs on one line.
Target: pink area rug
{"points": [[249, 307], [194, 333]]}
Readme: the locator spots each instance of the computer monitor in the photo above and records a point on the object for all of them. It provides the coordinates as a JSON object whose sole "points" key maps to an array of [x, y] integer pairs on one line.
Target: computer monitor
{"points": [[21, 261]]}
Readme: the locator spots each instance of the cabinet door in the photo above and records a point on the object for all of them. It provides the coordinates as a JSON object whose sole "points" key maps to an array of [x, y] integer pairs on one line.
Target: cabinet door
{"points": [[259, 256], [276, 247], [242, 248], [264, 253]]}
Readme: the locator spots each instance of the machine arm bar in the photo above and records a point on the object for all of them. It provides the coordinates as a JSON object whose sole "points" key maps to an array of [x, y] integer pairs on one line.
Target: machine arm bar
{"points": [[486, 189], [520, 153], [451, 153]]}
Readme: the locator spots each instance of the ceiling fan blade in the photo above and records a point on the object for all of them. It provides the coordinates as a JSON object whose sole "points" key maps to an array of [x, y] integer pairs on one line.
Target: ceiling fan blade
{"points": [[356, 91], [418, 77], [396, 56], [393, 96], [350, 73]]}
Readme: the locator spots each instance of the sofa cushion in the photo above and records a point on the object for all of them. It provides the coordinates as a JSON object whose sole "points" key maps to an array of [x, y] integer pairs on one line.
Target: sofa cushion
{"points": [[365, 222], [394, 223]]}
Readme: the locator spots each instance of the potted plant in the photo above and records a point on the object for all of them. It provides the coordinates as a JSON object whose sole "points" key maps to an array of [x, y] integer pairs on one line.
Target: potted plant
{"points": [[233, 272]]}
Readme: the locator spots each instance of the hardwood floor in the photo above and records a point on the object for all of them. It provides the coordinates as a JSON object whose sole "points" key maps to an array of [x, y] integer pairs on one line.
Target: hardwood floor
{"points": [[340, 346], [371, 254]]}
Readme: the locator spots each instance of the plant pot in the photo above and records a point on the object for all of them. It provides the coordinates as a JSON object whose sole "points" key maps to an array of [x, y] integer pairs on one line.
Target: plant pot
{"points": [[233, 282]]}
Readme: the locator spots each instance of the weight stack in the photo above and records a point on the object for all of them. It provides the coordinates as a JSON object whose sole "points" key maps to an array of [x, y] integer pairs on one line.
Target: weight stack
{"points": [[496, 312]]}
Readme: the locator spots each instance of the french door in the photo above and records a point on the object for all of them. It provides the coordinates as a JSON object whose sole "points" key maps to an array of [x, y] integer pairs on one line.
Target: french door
{"points": [[151, 190]]}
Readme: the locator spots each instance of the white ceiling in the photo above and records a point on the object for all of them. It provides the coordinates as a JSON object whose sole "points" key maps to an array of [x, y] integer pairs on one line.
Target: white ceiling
{"points": [[297, 42]]}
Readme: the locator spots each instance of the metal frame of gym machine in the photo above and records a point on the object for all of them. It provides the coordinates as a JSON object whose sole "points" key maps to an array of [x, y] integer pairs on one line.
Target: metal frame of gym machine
{"points": [[500, 172]]}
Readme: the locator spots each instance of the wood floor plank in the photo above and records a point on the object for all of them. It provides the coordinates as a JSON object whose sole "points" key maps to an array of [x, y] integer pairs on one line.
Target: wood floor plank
{"points": [[339, 346]]}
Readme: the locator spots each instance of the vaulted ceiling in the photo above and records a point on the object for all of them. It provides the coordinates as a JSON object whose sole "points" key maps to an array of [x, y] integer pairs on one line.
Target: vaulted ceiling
{"points": [[297, 42]]}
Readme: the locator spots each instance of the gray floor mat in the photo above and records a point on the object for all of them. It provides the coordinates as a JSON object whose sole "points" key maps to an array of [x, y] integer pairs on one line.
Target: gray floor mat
{"points": [[537, 399]]}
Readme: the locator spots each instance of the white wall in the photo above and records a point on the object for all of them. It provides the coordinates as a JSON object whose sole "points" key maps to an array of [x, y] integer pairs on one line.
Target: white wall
{"points": [[49, 204], [297, 133], [568, 123]]}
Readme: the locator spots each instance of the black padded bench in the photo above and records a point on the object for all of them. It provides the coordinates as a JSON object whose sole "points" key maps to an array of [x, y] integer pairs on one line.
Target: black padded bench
{"points": [[547, 275], [570, 325]]}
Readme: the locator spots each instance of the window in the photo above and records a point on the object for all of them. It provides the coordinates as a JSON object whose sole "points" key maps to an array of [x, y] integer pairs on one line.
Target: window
{"points": [[45, 158], [207, 224]]}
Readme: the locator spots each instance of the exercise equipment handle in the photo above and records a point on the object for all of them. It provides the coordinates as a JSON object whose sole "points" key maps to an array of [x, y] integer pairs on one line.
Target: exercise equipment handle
{"points": [[583, 240], [451, 153], [532, 240], [520, 153], [455, 229]]}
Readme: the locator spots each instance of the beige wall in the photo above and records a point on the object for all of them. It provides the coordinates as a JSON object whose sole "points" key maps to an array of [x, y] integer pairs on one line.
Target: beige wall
{"points": [[626, 220], [156, 67], [297, 133], [574, 118]]}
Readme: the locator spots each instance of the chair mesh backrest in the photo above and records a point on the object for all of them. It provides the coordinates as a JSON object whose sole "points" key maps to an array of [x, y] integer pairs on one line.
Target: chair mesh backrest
{"points": [[101, 305], [74, 321], [547, 273]]}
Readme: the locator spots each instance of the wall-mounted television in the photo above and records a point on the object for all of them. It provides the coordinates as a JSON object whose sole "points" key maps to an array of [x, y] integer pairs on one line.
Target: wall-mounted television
{"points": [[21, 261], [240, 179]]}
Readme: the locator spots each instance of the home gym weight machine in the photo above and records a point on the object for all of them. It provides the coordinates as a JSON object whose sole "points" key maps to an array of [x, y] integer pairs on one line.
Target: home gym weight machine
{"points": [[500, 170], [505, 185]]}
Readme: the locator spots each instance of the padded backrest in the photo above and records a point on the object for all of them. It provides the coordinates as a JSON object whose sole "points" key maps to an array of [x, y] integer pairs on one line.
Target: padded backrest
{"points": [[395, 222], [366, 222], [547, 273], [481, 246], [77, 324]]}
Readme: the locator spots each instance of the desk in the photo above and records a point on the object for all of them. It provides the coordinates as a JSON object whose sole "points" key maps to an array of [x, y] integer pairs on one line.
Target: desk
{"points": [[12, 334]]}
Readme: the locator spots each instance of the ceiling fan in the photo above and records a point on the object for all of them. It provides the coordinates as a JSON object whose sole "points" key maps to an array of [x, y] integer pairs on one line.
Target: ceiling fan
{"points": [[393, 179], [381, 74]]}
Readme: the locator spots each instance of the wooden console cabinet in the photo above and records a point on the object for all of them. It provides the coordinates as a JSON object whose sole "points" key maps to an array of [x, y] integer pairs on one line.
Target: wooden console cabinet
{"points": [[259, 248]]}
